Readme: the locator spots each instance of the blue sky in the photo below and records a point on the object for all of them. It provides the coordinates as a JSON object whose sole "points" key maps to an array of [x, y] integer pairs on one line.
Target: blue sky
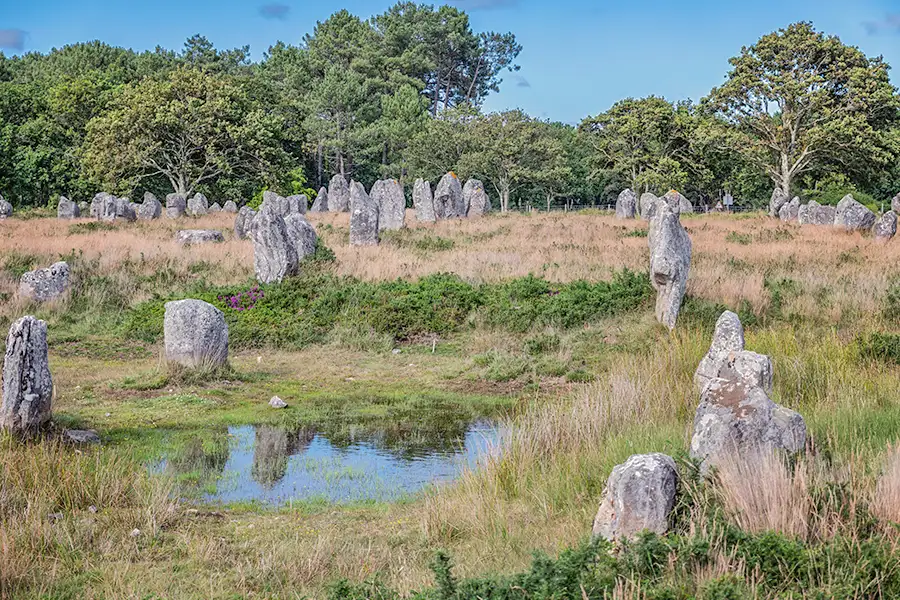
{"points": [[579, 56]]}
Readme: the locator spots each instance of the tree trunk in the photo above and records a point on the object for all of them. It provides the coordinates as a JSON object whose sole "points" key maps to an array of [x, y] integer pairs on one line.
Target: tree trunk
{"points": [[785, 176], [549, 200], [319, 160]]}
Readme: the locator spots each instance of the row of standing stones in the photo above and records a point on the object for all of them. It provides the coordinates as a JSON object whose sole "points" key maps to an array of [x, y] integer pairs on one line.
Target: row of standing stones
{"points": [[848, 215]]}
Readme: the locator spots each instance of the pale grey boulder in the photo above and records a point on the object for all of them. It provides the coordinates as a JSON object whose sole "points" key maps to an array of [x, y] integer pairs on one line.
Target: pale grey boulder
{"points": [[448, 198], [297, 204], [813, 213], [850, 215], [423, 201], [626, 204], [273, 201], [242, 222], [97, 205], [363, 217], [684, 205], [790, 211], [895, 204], [6, 209], [198, 205], [109, 211], [230, 207], [66, 209], [388, 195], [150, 208], [670, 258], [338, 194], [274, 252], [476, 199], [776, 202], [27, 384], [302, 234], [728, 338], [885, 227], [125, 210], [81, 437], [176, 206], [195, 333], [84, 208], [191, 237], [214, 208], [639, 496], [648, 205], [43, 285], [320, 204]]}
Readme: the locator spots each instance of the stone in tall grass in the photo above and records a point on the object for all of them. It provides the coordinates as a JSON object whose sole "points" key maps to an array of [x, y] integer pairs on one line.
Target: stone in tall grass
{"points": [[191, 237], [66, 209], [850, 215], [176, 206], [338, 194], [274, 252], [6, 209], [43, 285], [448, 198], [790, 211], [97, 205], [388, 195], [27, 384], [302, 235], [363, 217], [895, 204], [776, 202], [626, 204], [476, 199], [110, 209], [727, 338], [320, 204], [215, 207], [296, 204], [230, 207], [242, 222], [423, 201], [670, 258], [885, 228], [150, 208], [648, 205], [125, 210], [198, 205], [639, 496], [196, 334]]}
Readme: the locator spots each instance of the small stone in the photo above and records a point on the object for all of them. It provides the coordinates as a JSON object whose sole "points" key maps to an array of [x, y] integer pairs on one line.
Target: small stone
{"points": [[885, 228], [56, 516], [67, 209], [135, 533], [92, 509], [277, 402], [195, 334], [423, 201], [396, 351], [43, 285], [214, 208], [81, 437], [188, 237]]}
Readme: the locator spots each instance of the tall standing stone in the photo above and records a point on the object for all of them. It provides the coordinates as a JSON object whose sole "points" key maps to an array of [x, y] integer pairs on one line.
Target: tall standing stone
{"points": [[476, 199], [727, 339], [274, 252], [423, 201], [448, 198], [230, 207], [195, 333], [242, 222], [198, 205], [648, 205], [790, 211], [626, 204], [6, 209], [338, 194], [388, 195], [176, 206], [150, 208], [27, 384], [885, 228], [302, 235], [670, 258], [297, 204], [779, 198], [109, 210], [895, 204], [363, 217], [125, 210], [320, 204], [850, 215], [67, 209]]}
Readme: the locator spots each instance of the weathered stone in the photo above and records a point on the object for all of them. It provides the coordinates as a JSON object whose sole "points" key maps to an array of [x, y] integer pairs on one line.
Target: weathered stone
{"points": [[737, 416], [84, 208], [110, 208], [727, 338], [214, 208], [895, 204], [648, 205], [684, 205], [423, 201], [277, 402], [813, 213], [81, 437], [150, 208], [66, 209], [850, 215], [626, 204], [188, 237], [338, 194], [885, 228], [448, 198], [198, 205], [476, 199], [363, 217], [790, 211], [776, 202], [274, 252], [302, 235], [230, 207], [118, 209], [43, 285], [242, 222], [27, 384], [98, 204], [176, 206], [320, 204], [639, 496], [6, 209], [388, 195], [297, 204], [195, 333], [670, 258]]}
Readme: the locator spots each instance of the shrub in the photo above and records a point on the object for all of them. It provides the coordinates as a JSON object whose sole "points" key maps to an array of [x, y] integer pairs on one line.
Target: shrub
{"points": [[880, 346]]}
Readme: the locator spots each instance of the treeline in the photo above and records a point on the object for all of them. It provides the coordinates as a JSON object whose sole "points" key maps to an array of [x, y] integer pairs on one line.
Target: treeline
{"points": [[399, 95]]}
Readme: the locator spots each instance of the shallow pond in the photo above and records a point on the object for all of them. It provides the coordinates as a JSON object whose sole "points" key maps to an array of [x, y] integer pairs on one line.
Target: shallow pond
{"points": [[276, 465]]}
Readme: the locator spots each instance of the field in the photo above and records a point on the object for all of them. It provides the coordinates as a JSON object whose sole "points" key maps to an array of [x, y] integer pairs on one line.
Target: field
{"points": [[542, 323]]}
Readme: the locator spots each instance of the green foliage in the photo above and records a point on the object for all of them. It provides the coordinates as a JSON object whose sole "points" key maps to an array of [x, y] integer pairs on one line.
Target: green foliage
{"points": [[831, 189]]}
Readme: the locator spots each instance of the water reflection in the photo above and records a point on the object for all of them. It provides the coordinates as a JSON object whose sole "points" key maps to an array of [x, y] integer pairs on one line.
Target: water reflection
{"points": [[275, 465]]}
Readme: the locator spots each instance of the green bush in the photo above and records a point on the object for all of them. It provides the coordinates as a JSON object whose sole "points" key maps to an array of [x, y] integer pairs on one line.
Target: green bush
{"points": [[880, 346]]}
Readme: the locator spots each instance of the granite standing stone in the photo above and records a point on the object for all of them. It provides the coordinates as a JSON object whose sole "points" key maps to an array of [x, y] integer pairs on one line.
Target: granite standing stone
{"points": [[885, 228], [727, 339], [779, 199], [790, 211], [895, 204], [476, 199], [43, 285], [448, 198], [198, 205], [214, 208], [850, 215], [320, 204], [150, 208], [27, 384], [626, 204], [670, 258], [297, 204], [302, 235], [363, 217], [423, 201], [274, 252], [388, 195], [190, 237], [6, 209], [195, 333], [176, 206], [338, 194], [243, 221], [66, 209], [230, 207], [648, 205]]}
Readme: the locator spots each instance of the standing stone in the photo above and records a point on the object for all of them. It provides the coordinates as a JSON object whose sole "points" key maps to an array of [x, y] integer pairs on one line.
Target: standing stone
{"points": [[195, 333], [125, 210], [423, 201], [388, 195], [297, 204], [850, 215], [27, 384], [67, 209], [648, 205], [363, 217], [790, 211], [230, 207], [215, 208], [626, 204], [776, 202], [43, 285], [895, 204], [242, 222], [109, 210], [150, 208], [885, 228], [274, 253], [273, 200], [190, 237], [684, 205], [6, 209], [302, 235], [176, 206], [670, 258], [320, 204], [198, 205], [97, 204], [448, 198], [476, 199], [639, 496], [818, 214], [338, 194], [727, 338]]}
